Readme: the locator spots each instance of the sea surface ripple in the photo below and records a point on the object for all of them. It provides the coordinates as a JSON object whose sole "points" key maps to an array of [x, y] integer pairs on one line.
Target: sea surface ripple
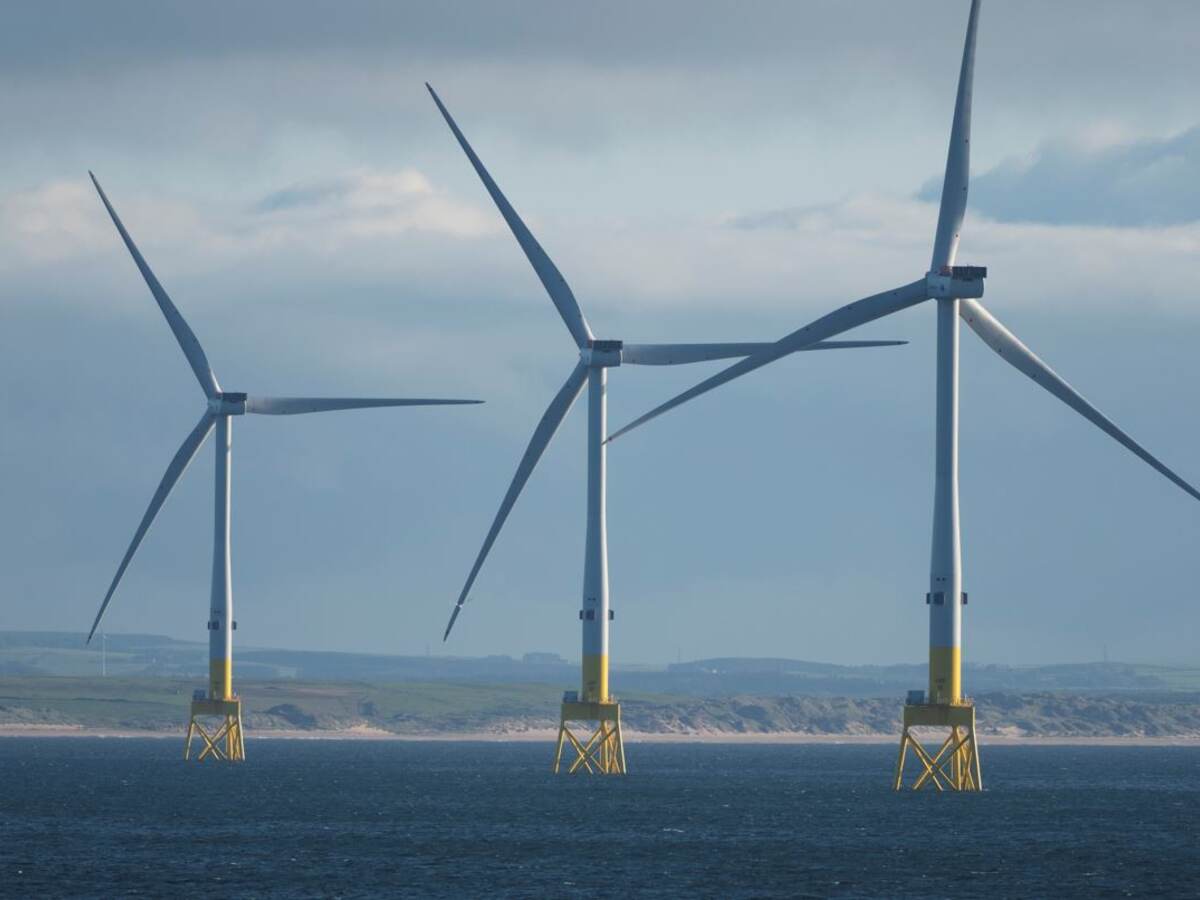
{"points": [[127, 818]]}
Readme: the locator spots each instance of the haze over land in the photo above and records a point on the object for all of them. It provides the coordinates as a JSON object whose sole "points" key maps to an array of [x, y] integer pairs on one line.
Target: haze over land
{"points": [[48, 682], [154, 656]]}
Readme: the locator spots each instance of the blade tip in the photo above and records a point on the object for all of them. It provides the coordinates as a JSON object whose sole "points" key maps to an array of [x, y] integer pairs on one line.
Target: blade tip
{"points": [[616, 434], [450, 625]]}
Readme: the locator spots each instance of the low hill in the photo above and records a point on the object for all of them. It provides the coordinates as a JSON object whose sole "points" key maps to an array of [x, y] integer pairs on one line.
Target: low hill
{"points": [[422, 708], [140, 655]]}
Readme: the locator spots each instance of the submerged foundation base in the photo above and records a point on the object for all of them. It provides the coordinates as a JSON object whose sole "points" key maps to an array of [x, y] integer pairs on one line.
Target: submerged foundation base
{"points": [[955, 766], [219, 724], [603, 752]]}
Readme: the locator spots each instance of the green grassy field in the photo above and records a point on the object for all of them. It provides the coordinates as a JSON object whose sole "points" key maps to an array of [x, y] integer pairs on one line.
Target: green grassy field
{"points": [[161, 704]]}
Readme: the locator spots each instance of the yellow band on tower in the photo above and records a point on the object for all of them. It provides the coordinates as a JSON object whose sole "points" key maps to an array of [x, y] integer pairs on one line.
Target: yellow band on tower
{"points": [[595, 677], [220, 679], [945, 674]]}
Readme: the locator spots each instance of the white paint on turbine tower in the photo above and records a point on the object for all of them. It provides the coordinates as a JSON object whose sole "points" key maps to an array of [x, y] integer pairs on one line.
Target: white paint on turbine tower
{"points": [[222, 406], [595, 358]]}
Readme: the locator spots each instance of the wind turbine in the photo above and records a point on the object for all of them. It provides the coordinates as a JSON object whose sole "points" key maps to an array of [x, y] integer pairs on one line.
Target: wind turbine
{"points": [[226, 742], [957, 290], [603, 751]]}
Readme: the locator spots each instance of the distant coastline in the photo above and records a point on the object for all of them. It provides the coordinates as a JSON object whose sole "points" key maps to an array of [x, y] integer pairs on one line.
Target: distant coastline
{"points": [[141, 686], [148, 706], [548, 735]]}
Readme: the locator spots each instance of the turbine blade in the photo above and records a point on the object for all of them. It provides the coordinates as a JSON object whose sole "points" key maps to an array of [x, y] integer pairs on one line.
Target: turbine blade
{"points": [[183, 457], [849, 316], [551, 419], [682, 354], [958, 157], [291, 406], [183, 334], [852, 345], [1005, 343], [556, 286]]}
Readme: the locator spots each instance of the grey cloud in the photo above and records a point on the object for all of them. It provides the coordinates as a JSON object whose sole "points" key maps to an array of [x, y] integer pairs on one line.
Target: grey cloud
{"points": [[1144, 183], [196, 114], [123, 32], [302, 195], [54, 35], [785, 219], [209, 88]]}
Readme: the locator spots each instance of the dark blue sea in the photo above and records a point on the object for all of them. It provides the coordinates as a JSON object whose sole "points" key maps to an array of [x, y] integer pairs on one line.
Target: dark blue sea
{"points": [[120, 817]]}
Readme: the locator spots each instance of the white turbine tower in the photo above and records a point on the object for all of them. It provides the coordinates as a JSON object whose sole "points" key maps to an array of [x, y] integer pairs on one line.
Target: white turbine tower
{"points": [[956, 290], [220, 702], [603, 751]]}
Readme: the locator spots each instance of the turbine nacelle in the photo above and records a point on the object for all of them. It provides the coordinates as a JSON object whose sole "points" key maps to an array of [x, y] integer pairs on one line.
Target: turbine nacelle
{"points": [[594, 357], [956, 282], [227, 403], [601, 354]]}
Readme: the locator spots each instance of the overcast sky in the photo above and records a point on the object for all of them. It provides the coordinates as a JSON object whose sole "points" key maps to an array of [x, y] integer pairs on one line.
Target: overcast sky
{"points": [[699, 171]]}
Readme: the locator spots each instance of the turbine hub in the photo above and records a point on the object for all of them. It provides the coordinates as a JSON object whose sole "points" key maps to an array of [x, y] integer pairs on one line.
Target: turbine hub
{"points": [[956, 282], [227, 403], [602, 354]]}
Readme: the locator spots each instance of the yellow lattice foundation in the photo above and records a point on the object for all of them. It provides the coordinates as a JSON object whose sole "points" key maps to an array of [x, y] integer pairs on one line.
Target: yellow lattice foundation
{"points": [[218, 723], [955, 766], [603, 753]]}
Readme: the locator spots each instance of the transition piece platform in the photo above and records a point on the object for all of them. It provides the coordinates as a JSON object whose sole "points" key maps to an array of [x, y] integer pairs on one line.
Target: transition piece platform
{"points": [[219, 725], [603, 752], [955, 766]]}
